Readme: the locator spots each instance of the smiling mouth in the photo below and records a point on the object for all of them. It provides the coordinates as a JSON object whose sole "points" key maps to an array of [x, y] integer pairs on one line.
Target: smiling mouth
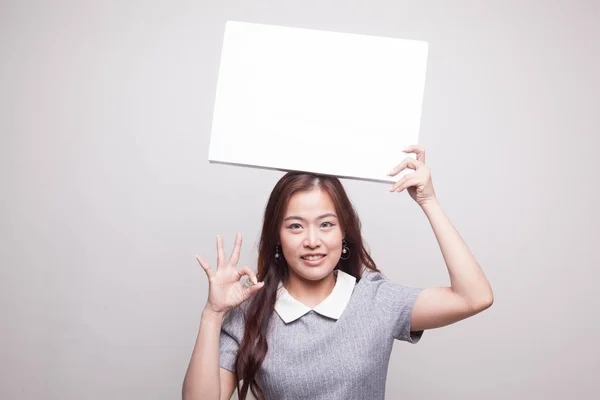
{"points": [[313, 258]]}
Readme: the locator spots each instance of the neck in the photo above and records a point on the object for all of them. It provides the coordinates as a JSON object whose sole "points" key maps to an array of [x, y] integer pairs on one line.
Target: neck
{"points": [[310, 293]]}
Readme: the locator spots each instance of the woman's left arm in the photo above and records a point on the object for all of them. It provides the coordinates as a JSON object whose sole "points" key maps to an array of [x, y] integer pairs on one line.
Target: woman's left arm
{"points": [[469, 292]]}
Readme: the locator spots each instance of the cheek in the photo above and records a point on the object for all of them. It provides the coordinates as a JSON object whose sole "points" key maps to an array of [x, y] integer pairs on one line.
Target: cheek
{"points": [[334, 243], [289, 242]]}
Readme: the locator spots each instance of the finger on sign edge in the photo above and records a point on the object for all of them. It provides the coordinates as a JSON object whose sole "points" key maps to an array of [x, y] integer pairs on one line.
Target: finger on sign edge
{"points": [[408, 183], [400, 182], [418, 150], [408, 162]]}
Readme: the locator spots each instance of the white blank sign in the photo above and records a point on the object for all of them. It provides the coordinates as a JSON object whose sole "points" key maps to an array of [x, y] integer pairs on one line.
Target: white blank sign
{"points": [[296, 99]]}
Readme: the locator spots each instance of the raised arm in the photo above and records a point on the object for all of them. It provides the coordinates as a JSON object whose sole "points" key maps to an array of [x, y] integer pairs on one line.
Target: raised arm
{"points": [[204, 378], [469, 292]]}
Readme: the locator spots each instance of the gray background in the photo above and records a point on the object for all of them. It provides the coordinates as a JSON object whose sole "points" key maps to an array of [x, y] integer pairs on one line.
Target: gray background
{"points": [[107, 195]]}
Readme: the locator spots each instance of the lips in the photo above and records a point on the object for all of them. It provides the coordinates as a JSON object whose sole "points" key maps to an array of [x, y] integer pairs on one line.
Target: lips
{"points": [[315, 260], [313, 257]]}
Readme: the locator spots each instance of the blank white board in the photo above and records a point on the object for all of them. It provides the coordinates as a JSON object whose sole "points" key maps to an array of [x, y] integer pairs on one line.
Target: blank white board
{"points": [[334, 103]]}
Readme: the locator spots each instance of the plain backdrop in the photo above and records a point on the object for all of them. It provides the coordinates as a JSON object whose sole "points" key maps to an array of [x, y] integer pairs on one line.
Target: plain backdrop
{"points": [[107, 194]]}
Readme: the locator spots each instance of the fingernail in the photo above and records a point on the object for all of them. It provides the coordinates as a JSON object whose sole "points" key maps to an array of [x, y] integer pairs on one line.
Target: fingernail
{"points": [[255, 280]]}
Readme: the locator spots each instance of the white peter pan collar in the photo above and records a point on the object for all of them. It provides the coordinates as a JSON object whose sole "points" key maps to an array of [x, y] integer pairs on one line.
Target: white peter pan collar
{"points": [[290, 309]]}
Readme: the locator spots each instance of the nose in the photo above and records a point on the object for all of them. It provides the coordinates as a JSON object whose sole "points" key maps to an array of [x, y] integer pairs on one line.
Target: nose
{"points": [[312, 239]]}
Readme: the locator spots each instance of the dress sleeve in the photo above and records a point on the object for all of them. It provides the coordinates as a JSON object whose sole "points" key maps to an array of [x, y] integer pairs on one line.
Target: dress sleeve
{"points": [[396, 304], [232, 331]]}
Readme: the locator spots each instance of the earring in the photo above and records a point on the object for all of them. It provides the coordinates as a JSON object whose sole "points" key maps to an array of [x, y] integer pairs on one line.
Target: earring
{"points": [[277, 254], [345, 250]]}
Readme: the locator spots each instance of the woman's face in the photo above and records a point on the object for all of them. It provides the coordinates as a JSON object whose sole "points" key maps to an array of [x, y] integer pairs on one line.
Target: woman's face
{"points": [[311, 237]]}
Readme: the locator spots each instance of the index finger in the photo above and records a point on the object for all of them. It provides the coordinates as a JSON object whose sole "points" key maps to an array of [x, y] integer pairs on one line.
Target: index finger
{"points": [[418, 150], [235, 255], [408, 162]]}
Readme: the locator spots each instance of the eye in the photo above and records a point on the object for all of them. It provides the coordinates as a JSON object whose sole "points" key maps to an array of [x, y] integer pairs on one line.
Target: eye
{"points": [[327, 224], [294, 226]]}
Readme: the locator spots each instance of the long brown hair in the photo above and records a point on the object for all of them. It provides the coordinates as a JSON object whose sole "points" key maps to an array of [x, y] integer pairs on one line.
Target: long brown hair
{"points": [[253, 348]]}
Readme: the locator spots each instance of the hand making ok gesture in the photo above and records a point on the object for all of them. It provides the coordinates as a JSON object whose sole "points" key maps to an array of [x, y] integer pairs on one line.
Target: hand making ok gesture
{"points": [[226, 290]]}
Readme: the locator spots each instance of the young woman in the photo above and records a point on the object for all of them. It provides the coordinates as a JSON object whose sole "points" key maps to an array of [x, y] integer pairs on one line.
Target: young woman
{"points": [[318, 319]]}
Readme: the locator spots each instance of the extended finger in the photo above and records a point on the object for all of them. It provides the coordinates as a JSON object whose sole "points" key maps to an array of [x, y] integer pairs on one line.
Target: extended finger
{"points": [[405, 179], [209, 271], [220, 252], [408, 162], [235, 254], [418, 150], [247, 271], [408, 183]]}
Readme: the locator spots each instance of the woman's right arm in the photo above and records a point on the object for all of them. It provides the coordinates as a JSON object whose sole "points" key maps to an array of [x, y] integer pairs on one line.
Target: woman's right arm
{"points": [[205, 379]]}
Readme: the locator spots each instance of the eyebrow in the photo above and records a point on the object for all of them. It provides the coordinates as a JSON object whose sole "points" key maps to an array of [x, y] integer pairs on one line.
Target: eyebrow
{"points": [[320, 217]]}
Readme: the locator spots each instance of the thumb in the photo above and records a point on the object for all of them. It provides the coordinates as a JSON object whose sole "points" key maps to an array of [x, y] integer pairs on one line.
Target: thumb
{"points": [[252, 290]]}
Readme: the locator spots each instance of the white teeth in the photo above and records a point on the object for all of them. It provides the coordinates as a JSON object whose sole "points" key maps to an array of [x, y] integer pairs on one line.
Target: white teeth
{"points": [[312, 258]]}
